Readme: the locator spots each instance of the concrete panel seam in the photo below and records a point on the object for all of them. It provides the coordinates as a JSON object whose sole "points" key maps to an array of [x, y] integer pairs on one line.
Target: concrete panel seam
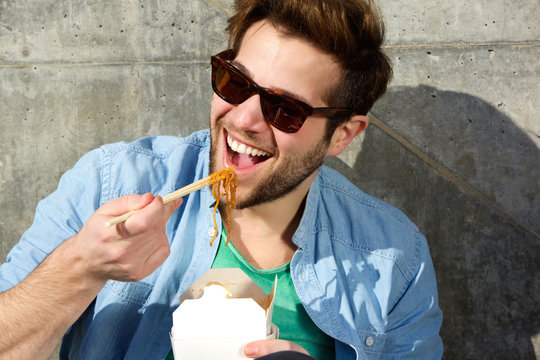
{"points": [[112, 63], [449, 175], [462, 45]]}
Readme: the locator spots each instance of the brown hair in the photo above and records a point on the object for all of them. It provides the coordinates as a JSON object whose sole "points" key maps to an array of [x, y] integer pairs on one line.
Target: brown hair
{"points": [[352, 31]]}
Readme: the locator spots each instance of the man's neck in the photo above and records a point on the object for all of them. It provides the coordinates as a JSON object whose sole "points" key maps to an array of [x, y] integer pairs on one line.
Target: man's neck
{"points": [[263, 233]]}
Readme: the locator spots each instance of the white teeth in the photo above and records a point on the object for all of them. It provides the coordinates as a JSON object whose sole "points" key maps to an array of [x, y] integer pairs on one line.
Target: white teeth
{"points": [[244, 149]]}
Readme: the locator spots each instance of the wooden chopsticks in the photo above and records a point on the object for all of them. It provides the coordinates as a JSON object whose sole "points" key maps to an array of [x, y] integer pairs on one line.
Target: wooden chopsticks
{"points": [[209, 180]]}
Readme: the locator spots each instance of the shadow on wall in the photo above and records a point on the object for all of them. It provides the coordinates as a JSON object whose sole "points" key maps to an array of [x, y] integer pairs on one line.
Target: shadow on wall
{"points": [[479, 211]]}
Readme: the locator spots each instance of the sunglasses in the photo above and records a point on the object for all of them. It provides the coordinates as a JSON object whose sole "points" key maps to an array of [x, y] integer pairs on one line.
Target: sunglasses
{"points": [[281, 111]]}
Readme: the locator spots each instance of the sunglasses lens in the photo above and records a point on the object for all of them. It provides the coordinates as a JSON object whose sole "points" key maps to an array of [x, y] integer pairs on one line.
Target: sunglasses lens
{"points": [[229, 85], [234, 88], [284, 115]]}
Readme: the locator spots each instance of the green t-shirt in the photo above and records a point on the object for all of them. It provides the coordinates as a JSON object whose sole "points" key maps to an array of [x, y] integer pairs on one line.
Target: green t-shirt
{"points": [[289, 314]]}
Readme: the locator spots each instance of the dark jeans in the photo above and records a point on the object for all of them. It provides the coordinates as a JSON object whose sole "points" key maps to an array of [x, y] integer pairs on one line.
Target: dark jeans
{"points": [[286, 355]]}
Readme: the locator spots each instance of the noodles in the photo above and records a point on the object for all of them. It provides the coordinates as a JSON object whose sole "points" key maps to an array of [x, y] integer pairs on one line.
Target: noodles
{"points": [[225, 180]]}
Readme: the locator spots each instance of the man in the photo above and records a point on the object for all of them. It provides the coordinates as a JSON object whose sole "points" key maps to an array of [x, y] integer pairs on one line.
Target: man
{"points": [[356, 278]]}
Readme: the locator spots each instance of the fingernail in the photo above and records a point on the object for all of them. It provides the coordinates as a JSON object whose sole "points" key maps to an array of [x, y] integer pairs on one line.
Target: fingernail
{"points": [[178, 202], [250, 350]]}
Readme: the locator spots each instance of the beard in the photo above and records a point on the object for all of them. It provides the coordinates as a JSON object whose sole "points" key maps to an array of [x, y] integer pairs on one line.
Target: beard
{"points": [[290, 173]]}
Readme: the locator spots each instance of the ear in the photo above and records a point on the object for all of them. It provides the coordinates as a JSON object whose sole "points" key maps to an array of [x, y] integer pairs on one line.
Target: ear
{"points": [[345, 133]]}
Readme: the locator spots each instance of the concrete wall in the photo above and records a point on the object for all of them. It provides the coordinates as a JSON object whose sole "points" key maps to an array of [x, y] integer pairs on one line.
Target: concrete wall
{"points": [[454, 143]]}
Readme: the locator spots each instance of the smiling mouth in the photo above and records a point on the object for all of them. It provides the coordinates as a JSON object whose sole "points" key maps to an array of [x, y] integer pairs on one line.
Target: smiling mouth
{"points": [[243, 155]]}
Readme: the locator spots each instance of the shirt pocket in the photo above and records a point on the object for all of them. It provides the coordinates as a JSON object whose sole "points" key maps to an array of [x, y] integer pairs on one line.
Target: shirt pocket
{"points": [[135, 293]]}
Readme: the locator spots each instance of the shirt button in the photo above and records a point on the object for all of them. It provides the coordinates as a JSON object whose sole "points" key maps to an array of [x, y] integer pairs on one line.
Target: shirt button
{"points": [[211, 232], [370, 340]]}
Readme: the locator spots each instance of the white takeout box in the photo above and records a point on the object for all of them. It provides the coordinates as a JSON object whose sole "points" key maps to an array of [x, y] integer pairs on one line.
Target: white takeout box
{"points": [[219, 314]]}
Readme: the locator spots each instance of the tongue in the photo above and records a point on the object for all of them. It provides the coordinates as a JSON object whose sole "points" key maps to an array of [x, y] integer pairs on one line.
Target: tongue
{"points": [[244, 160]]}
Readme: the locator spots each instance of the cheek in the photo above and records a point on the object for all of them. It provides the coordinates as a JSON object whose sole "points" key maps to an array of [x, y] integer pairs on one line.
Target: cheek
{"points": [[300, 141], [287, 143], [218, 108]]}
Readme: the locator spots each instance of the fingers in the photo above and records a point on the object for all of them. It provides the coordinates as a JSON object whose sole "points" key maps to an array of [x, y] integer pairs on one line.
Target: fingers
{"points": [[260, 348], [133, 249], [145, 240], [144, 218], [125, 203], [153, 214], [140, 257], [160, 254]]}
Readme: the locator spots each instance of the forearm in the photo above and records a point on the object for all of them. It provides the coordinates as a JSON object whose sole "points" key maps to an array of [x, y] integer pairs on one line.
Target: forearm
{"points": [[36, 313]]}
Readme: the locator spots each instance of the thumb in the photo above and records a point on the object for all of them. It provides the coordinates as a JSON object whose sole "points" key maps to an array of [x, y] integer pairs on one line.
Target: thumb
{"points": [[126, 203], [261, 348], [171, 207]]}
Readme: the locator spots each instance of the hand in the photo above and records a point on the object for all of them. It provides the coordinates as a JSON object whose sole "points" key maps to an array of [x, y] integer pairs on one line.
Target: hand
{"points": [[131, 250], [260, 348]]}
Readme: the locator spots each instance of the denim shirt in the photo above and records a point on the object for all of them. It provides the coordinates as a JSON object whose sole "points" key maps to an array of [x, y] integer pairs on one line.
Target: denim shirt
{"points": [[362, 270]]}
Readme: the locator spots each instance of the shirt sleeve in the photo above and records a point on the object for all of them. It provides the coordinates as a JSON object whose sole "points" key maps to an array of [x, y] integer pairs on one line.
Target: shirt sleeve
{"points": [[415, 320], [57, 218]]}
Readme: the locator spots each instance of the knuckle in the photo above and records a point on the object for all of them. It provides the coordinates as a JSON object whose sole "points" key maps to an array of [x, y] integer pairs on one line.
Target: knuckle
{"points": [[144, 223], [165, 249], [116, 255]]}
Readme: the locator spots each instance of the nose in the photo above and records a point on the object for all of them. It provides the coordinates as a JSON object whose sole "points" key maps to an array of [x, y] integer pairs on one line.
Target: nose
{"points": [[248, 115]]}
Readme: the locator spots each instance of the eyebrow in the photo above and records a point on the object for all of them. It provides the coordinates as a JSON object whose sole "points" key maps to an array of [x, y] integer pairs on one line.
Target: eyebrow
{"points": [[248, 73]]}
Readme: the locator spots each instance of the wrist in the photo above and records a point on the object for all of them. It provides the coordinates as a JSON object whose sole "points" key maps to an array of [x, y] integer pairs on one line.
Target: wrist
{"points": [[77, 268]]}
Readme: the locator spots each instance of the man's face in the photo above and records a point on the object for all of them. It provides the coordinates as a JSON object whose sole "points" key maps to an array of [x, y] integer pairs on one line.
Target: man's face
{"points": [[282, 161]]}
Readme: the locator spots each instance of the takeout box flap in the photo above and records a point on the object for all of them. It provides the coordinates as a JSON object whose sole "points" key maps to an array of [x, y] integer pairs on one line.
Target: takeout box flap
{"points": [[236, 282], [239, 286], [270, 309]]}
